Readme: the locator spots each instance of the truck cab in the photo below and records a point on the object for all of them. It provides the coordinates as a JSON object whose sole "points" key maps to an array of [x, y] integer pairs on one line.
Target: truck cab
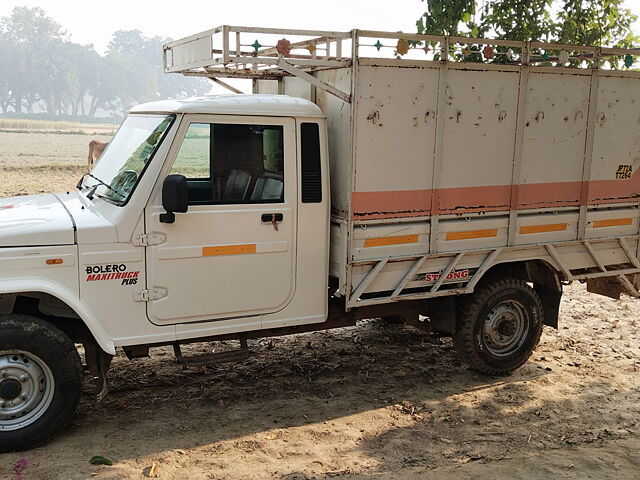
{"points": [[246, 245], [204, 217]]}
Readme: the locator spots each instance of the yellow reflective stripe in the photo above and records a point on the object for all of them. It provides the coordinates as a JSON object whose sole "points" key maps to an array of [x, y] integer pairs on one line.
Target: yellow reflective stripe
{"points": [[384, 241], [228, 250], [468, 235], [552, 227], [612, 222]]}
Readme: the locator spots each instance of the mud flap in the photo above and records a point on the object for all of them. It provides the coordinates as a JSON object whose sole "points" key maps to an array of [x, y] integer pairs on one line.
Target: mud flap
{"points": [[550, 304]]}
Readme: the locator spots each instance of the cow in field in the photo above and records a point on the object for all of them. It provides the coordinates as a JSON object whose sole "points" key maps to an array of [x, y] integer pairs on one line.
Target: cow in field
{"points": [[96, 148]]}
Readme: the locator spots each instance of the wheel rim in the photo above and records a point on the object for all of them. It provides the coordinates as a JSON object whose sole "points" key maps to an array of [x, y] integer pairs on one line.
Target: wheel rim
{"points": [[26, 389], [505, 328]]}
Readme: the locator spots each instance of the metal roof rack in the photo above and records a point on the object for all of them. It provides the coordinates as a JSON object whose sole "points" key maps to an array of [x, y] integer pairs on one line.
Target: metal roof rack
{"points": [[272, 53]]}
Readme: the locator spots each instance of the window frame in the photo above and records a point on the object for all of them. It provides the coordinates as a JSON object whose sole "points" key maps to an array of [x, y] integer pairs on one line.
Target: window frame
{"points": [[287, 124]]}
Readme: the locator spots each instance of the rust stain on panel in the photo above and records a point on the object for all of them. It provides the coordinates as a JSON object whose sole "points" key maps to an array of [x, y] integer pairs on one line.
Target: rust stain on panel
{"points": [[413, 203]]}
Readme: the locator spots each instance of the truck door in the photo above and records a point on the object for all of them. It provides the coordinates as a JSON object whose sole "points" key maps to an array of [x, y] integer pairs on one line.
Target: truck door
{"points": [[233, 254]]}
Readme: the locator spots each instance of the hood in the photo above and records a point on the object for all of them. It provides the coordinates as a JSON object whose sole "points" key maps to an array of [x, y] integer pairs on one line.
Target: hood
{"points": [[35, 220], [91, 226]]}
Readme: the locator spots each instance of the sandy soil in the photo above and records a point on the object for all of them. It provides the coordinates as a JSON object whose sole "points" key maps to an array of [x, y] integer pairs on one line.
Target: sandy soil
{"points": [[41, 162], [374, 401]]}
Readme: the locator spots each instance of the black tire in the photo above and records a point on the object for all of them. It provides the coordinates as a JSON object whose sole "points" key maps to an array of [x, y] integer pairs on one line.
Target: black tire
{"points": [[25, 339], [498, 326]]}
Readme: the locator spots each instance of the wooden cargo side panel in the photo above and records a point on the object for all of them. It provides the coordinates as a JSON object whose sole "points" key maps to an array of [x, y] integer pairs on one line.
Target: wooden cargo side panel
{"points": [[616, 146], [339, 132], [395, 141], [297, 87], [478, 144], [555, 128]]}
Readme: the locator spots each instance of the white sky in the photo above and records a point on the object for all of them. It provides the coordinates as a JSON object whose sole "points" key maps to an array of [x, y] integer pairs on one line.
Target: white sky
{"points": [[94, 22]]}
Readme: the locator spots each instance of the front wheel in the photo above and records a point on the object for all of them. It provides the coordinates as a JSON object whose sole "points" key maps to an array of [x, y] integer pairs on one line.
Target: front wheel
{"points": [[40, 381], [498, 326]]}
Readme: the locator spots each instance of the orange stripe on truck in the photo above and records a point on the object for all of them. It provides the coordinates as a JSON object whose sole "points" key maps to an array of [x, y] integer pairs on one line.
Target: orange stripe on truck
{"points": [[228, 250], [552, 227], [384, 241], [470, 234], [612, 222], [493, 198]]}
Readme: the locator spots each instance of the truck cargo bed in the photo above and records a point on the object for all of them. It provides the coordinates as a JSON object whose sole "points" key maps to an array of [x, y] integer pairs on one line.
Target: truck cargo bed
{"points": [[446, 164]]}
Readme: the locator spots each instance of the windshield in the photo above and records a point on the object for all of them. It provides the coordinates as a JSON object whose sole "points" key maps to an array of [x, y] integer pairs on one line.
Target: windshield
{"points": [[127, 155]]}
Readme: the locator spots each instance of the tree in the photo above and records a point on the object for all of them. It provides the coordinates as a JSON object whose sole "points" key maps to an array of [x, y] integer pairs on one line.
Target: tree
{"points": [[580, 22], [41, 68], [444, 17], [149, 49], [596, 22], [30, 32], [7, 69], [519, 19]]}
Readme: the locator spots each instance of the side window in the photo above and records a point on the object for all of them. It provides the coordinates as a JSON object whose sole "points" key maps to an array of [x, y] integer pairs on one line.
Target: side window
{"points": [[311, 166], [232, 163]]}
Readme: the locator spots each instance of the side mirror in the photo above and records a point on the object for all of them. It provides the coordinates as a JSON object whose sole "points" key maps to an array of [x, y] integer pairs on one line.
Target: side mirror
{"points": [[175, 197]]}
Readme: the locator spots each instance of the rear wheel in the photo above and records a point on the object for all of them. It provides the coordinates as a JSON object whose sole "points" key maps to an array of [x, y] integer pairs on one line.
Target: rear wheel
{"points": [[40, 381], [499, 326]]}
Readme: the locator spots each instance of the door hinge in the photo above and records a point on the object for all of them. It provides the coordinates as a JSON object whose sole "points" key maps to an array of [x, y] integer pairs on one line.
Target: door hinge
{"points": [[149, 239], [147, 295]]}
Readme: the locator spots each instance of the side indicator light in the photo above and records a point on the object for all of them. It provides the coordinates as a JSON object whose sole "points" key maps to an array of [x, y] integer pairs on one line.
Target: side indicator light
{"points": [[54, 261]]}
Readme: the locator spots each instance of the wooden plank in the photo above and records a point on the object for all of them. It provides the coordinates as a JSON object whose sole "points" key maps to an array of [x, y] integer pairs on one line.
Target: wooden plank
{"points": [[288, 67], [516, 173], [408, 276], [588, 150], [438, 150], [366, 281], [226, 85], [443, 275]]}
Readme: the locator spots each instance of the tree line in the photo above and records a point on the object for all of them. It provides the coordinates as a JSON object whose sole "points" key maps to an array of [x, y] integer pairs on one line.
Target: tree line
{"points": [[577, 22], [41, 69]]}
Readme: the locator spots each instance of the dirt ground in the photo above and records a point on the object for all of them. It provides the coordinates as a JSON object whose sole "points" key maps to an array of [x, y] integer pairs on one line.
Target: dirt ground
{"points": [[372, 401], [42, 162]]}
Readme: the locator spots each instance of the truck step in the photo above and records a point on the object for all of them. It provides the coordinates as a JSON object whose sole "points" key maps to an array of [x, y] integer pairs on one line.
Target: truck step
{"points": [[221, 357]]}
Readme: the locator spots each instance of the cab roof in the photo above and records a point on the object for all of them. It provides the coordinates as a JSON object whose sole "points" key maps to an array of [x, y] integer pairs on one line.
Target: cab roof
{"points": [[267, 105]]}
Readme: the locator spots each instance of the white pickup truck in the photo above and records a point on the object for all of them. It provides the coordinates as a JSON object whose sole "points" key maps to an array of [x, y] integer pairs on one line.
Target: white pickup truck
{"points": [[452, 181]]}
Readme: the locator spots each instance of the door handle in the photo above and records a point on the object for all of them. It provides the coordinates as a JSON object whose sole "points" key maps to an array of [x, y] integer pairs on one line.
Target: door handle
{"points": [[271, 217]]}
